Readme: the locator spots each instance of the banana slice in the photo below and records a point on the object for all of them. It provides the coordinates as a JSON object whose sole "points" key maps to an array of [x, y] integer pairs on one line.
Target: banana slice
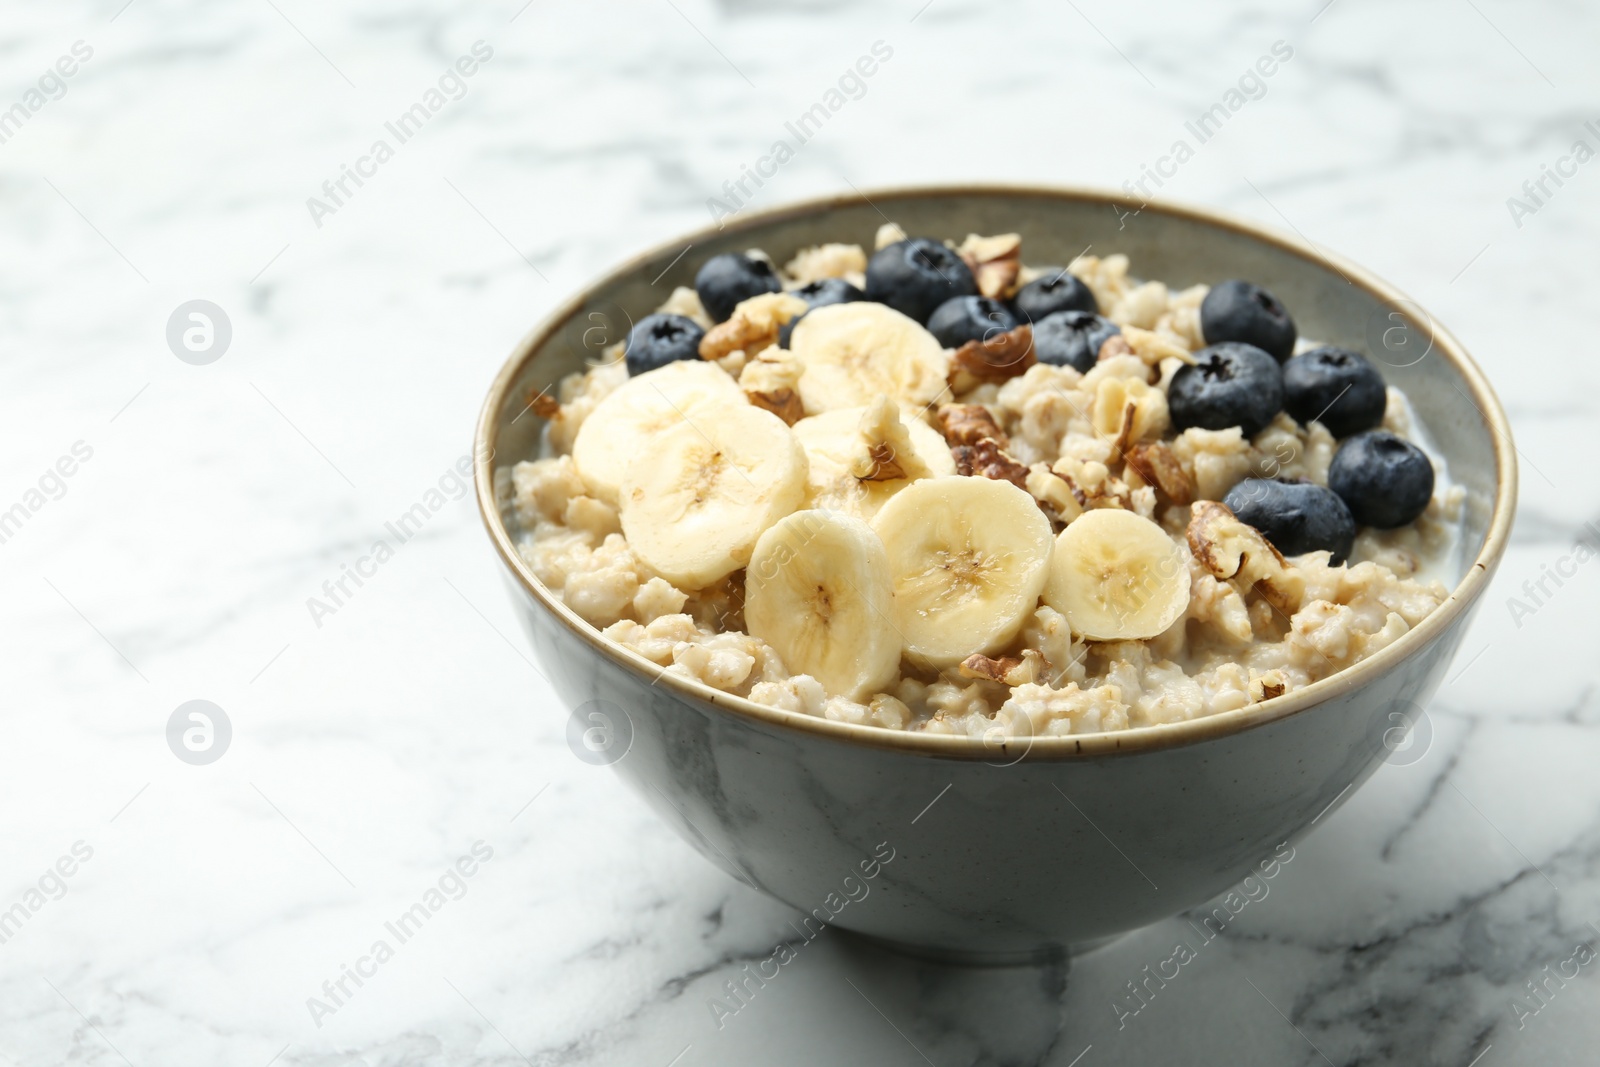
{"points": [[817, 590], [624, 425], [1117, 576], [697, 498], [852, 353], [838, 445], [969, 557]]}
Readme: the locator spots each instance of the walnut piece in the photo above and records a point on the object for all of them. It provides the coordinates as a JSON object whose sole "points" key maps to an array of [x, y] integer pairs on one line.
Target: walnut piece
{"points": [[769, 383], [1235, 551], [997, 359], [1062, 499], [1028, 669], [1035, 670], [1156, 464], [753, 327], [784, 403], [878, 465], [543, 404], [978, 665], [1267, 684], [994, 262], [890, 454], [986, 459], [967, 424], [1115, 345]]}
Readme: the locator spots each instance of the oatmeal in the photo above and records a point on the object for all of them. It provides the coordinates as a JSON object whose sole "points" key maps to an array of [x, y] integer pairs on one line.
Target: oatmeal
{"points": [[929, 486]]}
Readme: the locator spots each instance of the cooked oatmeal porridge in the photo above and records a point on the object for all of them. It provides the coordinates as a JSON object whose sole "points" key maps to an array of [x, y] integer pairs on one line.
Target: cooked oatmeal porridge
{"points": [[930, 487]]}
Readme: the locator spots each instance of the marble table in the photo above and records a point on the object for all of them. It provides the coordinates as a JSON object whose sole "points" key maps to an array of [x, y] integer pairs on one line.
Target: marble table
{"points": [[181, 518]]}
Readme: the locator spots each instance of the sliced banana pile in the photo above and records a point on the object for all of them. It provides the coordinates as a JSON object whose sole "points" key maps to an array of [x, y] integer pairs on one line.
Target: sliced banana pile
{"points": [[862, 546], [698, 494], [1117, 576], [627, 423], [818, 591], [968, 558], [853, 353]]}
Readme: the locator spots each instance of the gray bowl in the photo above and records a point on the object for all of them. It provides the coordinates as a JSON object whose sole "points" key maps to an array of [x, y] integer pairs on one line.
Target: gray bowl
{"points": [[1007, 849]]}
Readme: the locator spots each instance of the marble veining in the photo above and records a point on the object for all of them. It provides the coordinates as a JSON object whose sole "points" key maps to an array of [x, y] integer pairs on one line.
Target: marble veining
{"points": [[1445, 913]]}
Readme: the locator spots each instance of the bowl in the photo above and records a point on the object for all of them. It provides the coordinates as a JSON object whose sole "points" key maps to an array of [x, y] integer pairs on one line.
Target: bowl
{"points": [[1005, 850]]}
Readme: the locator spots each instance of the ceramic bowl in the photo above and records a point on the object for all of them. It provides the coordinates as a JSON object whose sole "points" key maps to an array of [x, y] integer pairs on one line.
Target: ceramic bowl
{"points": [[1006, 850]]}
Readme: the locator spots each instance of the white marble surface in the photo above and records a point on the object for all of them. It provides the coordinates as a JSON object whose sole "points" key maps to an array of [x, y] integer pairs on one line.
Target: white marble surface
{"points": [[372, 751]]}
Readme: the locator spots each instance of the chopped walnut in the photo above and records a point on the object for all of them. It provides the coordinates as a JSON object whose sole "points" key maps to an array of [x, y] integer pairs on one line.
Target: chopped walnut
{"points": [[880, 464], [542, 404], [1114, 346], [1233, 550], [890, 454], [753, 327], [1034, 670], [994, 262], [987, 460], [1061, 498], [996, 359], [967, 424], [784, 403], [1028, 669], [1219, 540], [981, 666], [769, 383], [1155, 463], [1267, 684]]}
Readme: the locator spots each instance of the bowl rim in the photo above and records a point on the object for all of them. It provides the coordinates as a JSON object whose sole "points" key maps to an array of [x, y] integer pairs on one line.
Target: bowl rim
{"points": [[1045, 748]]}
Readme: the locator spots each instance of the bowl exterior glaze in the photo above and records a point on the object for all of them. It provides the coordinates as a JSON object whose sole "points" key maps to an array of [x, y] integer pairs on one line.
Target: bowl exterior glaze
{"points": [[1008, 851], [1012, 861]]}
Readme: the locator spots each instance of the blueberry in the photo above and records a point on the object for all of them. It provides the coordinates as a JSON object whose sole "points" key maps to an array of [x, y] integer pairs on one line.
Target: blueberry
{"points": [[1336, 387], [1240, 311], [817, 294], [828, 291], [1386, 480], [725, 280], [1297, 517], [970, 318], [1228, 385], [1071, 338], [1055, 291], [657, 340], [915, 276]]}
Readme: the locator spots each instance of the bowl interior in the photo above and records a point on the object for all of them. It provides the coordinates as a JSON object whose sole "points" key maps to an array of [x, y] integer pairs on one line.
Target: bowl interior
{"points": [[1332, 301]]}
